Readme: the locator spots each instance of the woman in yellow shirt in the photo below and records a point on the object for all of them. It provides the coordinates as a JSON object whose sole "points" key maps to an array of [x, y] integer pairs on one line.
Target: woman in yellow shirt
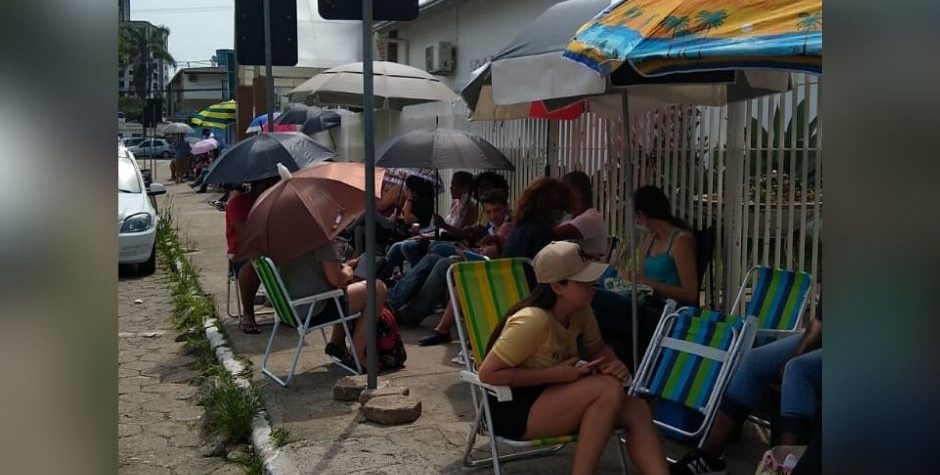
{"points": [[535, 351]]}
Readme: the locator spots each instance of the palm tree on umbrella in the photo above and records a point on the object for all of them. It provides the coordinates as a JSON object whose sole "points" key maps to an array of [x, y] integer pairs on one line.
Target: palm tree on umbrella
{"points": [[143, 46], [808, 22], [678, 25], [708, 19]]}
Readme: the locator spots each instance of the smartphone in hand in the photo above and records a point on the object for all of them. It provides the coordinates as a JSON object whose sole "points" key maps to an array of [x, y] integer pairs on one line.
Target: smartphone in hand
{"points": [[589, 364]]}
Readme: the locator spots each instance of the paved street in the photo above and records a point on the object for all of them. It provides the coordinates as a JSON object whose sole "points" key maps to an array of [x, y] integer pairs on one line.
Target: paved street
{"points": [[159, 421]]}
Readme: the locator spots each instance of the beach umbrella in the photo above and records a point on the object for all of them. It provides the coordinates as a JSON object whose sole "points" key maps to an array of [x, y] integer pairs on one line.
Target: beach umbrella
{"points": [[441, 148], [529, 78], [305, 211], [659, 37], [255, 125], [204, 146], [396, 86], [217, 116], [256, 157], [177, 128]]}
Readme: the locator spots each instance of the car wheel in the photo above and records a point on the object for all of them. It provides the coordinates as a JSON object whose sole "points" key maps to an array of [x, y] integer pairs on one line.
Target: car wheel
{"points": [[150, 265], [165, 155]]}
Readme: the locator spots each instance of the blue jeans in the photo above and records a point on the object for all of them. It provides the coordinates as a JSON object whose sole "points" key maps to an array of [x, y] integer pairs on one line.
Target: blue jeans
{"points": [[411, 283], [417, 294], [761, 366]]}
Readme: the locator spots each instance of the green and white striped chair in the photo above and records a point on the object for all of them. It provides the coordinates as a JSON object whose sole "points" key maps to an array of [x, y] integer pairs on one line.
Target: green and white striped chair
{"points": [[286, 313], [778, 300], [690, 362], [481, 294]]}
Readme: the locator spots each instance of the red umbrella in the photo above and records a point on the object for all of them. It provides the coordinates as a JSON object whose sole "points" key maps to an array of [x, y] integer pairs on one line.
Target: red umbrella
{"points": [[305, 211]]}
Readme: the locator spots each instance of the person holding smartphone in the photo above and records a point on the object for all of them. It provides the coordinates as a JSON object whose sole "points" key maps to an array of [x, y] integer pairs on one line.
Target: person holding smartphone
{"points": [[535, 350]]}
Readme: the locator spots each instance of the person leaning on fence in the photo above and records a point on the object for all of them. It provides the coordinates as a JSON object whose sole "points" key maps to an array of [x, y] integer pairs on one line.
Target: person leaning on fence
{"points": [[796, 363], [534, 350], [320, 270], [667, 264]]}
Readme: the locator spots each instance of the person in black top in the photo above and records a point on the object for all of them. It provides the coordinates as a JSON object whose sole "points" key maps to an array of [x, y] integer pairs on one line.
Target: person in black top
{"points": [[538, 211]]}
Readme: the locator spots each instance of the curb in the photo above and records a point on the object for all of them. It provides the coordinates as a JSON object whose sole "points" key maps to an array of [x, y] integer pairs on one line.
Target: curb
{"points": [[276, 462]]}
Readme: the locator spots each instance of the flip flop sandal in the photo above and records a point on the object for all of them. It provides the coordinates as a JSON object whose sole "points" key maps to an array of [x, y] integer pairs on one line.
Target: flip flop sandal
{"points": [[249, 328]]}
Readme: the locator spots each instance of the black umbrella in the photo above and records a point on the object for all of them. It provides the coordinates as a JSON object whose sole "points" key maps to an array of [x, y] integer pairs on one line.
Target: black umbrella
{"points": [[310, 119], [256, 158], [441, 148]]}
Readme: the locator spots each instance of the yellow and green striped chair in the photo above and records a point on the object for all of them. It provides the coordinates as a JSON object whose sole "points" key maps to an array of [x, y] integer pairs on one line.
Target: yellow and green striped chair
{"points": [[481, 293], [778, 300], [690, 362], [286, 313]]}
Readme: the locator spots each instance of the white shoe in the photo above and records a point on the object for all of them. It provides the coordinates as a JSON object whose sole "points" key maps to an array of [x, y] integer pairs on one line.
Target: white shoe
{"points": [[459, 359]]}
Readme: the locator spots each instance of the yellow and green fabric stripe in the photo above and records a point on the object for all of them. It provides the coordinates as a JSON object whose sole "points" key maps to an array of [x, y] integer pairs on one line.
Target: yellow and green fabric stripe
{"points": [[266, 273], [218, 116]]}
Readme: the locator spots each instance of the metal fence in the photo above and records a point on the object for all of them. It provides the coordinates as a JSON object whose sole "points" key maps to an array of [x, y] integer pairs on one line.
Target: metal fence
{"points": [[772, 201]]}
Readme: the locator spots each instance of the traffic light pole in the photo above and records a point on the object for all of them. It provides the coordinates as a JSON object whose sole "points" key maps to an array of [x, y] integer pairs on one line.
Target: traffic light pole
{"points": [[368, 117]]}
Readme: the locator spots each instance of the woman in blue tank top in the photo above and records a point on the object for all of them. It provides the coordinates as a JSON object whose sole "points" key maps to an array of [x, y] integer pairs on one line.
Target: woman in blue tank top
{"points": [[668, 263]]}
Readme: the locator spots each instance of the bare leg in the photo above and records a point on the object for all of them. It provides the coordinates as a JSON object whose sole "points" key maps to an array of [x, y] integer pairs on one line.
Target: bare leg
{"points": [[720, 434], [447, 319], [356, 298], [248, 284], [589, 406], [643, 442]]}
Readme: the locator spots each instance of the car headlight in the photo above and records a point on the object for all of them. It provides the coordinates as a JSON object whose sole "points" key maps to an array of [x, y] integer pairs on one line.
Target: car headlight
{"points": [[137, 223]]}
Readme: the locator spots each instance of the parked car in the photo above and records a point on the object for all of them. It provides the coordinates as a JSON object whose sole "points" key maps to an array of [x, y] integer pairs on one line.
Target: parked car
{"points": [[137, 216], [133, 141], [152, 148]]}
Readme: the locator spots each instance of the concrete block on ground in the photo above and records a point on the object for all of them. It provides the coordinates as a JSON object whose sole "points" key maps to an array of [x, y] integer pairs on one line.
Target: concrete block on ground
{"points": [[381, 392], [389, 410], [350, 387]]}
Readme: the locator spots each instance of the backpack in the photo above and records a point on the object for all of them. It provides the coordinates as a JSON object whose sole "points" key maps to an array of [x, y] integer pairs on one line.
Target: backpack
{"points": [[392, 353]]}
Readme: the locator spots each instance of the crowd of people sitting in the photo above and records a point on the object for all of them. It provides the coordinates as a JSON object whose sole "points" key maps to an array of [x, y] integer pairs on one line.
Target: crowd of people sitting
{"points": [[568, 313]]}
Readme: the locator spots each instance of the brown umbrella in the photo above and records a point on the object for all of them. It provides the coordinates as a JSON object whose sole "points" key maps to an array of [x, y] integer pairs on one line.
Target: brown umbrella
{"points": [[305, 211]]}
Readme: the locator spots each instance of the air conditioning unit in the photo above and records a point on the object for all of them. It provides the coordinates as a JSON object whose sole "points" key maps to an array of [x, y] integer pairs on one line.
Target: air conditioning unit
{"points": [[439, 58]]}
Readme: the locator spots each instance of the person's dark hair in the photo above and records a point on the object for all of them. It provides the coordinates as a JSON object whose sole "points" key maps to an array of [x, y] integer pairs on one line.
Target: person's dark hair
{"points": [[420, 188], [542, 296], [543, 200], [464, 179], [652, 202], [493, 180], [495, 196], [580, 183]]}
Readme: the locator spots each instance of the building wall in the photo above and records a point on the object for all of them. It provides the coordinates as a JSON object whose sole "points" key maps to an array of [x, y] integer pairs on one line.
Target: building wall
{"points": [[477, 28]]}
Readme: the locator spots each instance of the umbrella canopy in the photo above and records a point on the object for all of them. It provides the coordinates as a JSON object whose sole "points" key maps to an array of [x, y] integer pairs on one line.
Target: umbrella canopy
{"points": [[177, 128], [305, 211], [218, 116], [665, 36], [395, 86], [441, 148], [256, 158], [310, 119], [529, 78], [204, 146], [255, 125]]}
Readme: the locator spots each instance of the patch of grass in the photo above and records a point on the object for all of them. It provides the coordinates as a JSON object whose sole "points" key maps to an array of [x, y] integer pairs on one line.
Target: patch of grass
{"points": [[231, 409], [280, 436], [252, 464]]}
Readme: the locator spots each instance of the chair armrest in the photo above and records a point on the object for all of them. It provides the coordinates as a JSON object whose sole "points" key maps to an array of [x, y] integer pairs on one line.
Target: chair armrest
{"points": [[318, 297], [502, 393]]}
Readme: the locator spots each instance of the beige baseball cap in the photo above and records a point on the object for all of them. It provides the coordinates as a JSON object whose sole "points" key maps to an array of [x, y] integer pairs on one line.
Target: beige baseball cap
{"points": [[564, 260]]}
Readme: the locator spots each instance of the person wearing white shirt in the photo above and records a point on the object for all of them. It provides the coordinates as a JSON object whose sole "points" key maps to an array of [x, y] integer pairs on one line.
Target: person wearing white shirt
{"points": [[587, 227]]}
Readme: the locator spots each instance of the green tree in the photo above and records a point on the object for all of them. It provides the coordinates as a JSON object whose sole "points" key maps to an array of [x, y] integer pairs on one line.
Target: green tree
{"points": [[708, 19], [678, 26], [132, 108], [144, 47], [808, 22]]}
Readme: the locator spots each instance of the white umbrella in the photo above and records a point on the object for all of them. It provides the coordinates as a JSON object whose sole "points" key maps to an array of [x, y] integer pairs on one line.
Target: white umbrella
{"points": [[396, 86], [177, 128]]}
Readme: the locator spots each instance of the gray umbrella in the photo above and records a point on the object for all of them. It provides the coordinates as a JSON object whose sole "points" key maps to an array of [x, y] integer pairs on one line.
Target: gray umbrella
{"points": [[256, 158], [504, 87], [441, 148], [310, 119]]}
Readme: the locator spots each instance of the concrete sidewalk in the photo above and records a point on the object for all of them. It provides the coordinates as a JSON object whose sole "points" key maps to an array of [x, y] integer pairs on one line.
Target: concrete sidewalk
{"points": [[328, 436]]}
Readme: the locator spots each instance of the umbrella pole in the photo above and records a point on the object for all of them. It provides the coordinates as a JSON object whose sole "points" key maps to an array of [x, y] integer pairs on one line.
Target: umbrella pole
{"points": [[368, 116], [631, 227], [269, 81]]}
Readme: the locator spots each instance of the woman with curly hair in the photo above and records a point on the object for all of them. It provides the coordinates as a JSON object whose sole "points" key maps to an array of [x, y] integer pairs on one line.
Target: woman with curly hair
{"points": [[538, 211]]}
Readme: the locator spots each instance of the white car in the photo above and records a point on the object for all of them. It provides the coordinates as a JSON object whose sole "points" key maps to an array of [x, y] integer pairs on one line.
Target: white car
{"points": [[152, 148], [137, 217]]}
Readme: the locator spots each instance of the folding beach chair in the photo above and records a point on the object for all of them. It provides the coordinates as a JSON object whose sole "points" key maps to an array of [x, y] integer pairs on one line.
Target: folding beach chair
{"points": [[232, 292], [778, 300], [481, 293], [286, 313], [690, 362]]}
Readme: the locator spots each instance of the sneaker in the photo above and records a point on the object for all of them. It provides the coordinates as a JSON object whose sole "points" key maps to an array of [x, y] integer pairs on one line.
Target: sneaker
{"points": [[435, 338], [698, 462], [459, 359]]}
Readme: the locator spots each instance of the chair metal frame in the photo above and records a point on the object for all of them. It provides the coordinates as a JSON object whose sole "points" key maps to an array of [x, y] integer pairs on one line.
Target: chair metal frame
{"points": [[742, 339], [302, 326], [479, 390], [769, 332]]}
